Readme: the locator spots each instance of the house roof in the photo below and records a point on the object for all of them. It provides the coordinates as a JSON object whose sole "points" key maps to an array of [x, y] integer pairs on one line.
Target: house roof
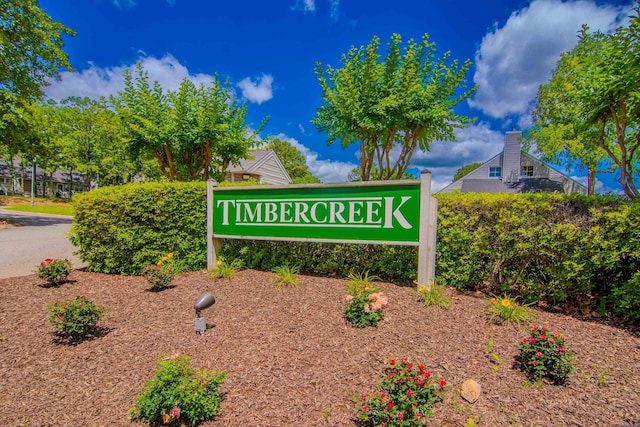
{"points": [[60, 175], [250, 165]]}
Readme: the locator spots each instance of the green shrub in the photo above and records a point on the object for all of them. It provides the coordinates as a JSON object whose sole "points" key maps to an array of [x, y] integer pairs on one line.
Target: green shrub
{"points": [[405, 396], [122, 229], [364, 302], [286, 275], [54, 271], [75, 318], [434, 295], [546, 354], [178, 391]]}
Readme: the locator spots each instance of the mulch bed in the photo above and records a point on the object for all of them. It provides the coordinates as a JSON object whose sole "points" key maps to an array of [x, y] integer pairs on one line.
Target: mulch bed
{"points": [[292, 359]]}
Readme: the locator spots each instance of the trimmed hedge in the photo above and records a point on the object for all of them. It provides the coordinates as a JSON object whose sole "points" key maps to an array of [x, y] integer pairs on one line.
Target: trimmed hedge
{"points": [[121, 229], [536, 246]]}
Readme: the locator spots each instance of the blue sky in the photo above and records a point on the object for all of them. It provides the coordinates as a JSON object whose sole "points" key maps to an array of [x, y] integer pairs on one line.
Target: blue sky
{"points": [[268, 50]]}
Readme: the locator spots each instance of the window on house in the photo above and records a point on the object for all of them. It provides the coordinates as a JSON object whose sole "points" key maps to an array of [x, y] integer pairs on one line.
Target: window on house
{"points": [[495, 171], [527, 171]]}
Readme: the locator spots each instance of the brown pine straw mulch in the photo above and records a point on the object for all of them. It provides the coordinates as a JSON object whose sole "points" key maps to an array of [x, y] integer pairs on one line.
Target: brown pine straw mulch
{"points": [[291, 357]]}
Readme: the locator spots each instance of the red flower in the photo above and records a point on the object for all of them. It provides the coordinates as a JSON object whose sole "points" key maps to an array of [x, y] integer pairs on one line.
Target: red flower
{"points": [[409, 393], [166, 418], [365, 408], [363, 396], [390, 405], [538, 354], [542, 337], [419, 382], [399, 381], [409, 365], [59, 314], [421, 367], [400, 415], [544, 329], [419, 415], [561, 349], [382, 395], [426, 374], [442, 383], [48, 260], [535, 362], [532, 340], [550, 339], [392, 362]]}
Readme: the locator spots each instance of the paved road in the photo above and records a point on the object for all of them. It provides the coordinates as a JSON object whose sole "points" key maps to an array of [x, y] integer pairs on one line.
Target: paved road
{"points": [[39, 236]]}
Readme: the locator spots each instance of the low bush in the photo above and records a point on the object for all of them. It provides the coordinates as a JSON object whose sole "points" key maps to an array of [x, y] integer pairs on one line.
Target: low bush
{"points": [[546, 354], [75, 318], [54, 271], [405, 396], [179, 392]]}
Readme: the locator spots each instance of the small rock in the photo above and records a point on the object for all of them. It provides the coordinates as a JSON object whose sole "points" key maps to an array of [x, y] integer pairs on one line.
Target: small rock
{"points": [[470, 391]]}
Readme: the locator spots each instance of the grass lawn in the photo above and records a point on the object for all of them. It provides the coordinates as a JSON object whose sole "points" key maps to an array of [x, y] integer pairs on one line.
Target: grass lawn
{"points": [[23, 204]]}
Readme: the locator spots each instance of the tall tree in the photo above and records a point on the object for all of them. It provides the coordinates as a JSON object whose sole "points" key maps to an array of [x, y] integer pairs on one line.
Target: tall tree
{"points": [[30, 54], [293, 161], [404, 100], [590, 109], [466, 169], [194, 133]]}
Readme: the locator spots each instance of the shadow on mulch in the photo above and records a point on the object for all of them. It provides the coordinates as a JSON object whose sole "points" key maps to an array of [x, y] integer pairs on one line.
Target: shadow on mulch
{"points": [[64, 339], [156, 290], [55, 285]]}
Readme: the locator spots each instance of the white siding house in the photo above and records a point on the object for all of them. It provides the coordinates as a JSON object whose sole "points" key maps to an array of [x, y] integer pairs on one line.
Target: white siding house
{"points": [[514, 171], [264, 166]]}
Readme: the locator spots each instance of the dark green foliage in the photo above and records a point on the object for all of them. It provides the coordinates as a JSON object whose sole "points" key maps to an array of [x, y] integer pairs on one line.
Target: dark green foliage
{"points": [[122, 229], [548, 247]]}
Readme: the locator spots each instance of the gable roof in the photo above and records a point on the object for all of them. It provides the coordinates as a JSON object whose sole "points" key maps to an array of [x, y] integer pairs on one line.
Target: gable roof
{"points": [[258, 159]]}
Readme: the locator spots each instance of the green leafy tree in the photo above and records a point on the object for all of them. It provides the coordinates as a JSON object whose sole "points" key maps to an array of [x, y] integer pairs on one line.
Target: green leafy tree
{"points": [[404, 100], [466, 169], [293, 161], [194, 133], [30, 54], [590, 110]]}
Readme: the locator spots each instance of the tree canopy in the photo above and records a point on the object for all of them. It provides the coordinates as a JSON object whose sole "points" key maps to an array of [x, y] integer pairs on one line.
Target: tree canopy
{"points": [[30, 54], [590, 110], [466, 169], [194, 133], [404, 100]]}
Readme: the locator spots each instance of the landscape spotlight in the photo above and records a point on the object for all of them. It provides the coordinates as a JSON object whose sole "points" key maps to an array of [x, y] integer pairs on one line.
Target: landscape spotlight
{"points": [[205, 300]]}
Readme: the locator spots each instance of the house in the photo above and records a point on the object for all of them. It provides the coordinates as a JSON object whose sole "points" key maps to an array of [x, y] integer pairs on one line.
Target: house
{"points": [[515, 171], [58, 184], [264, 166]]}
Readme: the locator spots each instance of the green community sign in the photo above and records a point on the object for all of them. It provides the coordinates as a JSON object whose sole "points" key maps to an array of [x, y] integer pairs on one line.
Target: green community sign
{"points": [[389, 212], [353, 214]]}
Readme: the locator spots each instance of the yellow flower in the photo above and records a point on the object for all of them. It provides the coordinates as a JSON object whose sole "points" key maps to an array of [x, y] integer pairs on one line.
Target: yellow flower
{"points": [[219, 262], [493, 301], [170, 255], [506, 302], [422, 288], [160, 262]]}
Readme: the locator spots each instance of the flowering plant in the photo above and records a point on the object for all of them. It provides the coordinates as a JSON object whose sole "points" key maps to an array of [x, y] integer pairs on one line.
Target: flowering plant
{"points": [[178, 390], [159, 275], [546, 354], [76, 317], [406, 394], [433, 295], [508, 310], [54, 271], [364, 302]]}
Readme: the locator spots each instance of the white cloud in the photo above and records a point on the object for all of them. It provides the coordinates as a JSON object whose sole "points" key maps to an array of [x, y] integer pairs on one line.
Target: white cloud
{"points": [[305, 5], [95, 82], [301, 128], [334, 10], [120, 4], [477, 143], [327, 171], [257, 92], [514, 60]]}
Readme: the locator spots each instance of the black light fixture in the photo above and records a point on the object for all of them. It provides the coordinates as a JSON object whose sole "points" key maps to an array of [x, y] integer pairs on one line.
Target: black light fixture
{"points": [[205, 300]]}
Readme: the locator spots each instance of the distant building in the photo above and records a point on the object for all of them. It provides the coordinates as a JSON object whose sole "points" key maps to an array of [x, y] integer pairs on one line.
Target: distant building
{"points": [[58, 184], [264, 166], [515, 171]]}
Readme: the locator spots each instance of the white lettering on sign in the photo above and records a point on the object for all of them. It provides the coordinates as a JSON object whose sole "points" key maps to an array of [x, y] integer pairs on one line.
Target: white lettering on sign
{"points": [[358, 212]]}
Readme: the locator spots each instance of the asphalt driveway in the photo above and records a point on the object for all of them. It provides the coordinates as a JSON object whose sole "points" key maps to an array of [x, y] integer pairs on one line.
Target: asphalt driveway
{"points": [[34, 238]]}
